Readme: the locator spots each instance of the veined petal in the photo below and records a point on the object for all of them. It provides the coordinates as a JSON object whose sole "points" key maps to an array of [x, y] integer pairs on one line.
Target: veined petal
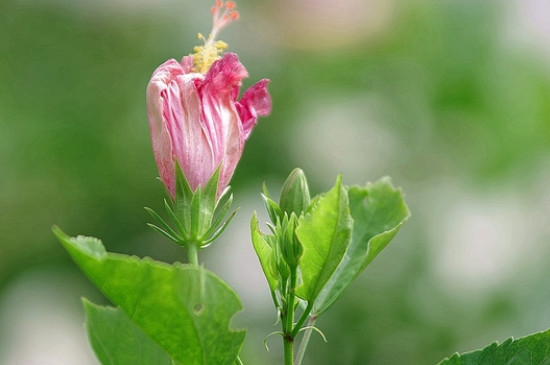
{"points": [[256, 102], [187, 64], [160, 136], [219, 116], [191, 145], [225, 76]]}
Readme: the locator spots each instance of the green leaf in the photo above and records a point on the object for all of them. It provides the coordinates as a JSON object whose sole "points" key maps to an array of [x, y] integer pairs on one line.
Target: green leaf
{"points": [[185, 309], [265, 253], [117, 340], [325, 234], [529, 350], [378, 211]]}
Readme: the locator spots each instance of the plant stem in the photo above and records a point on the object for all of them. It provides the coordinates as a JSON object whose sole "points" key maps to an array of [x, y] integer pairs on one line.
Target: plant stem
{"points": [[192, 254], [305, 340], [288, 321], [289, 350], [302, 319], [238, 361]]}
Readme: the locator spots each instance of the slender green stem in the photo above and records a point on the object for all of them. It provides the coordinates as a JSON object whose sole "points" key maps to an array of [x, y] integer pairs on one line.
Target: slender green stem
{"points": [[288, 350], [302, 319], [305, 340], [288, 321], [238, 361], [192, 254]]}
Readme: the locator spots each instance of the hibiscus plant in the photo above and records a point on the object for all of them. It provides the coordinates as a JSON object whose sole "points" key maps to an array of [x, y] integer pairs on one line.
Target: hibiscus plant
{"points": [[310, 251]]}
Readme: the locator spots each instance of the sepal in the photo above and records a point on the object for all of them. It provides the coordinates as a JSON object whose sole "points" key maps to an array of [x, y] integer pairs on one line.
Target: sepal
{"points": [[166, 230], [291, 248], [199, 216], [272, 208]]}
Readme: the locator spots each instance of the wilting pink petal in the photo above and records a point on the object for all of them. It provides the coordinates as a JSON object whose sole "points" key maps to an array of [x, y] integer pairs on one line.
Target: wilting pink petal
{"points": [[196, 119], [255, 103]]}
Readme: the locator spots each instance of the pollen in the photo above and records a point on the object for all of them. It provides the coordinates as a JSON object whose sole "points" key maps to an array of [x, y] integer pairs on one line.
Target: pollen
{"points": [[223, 13]]}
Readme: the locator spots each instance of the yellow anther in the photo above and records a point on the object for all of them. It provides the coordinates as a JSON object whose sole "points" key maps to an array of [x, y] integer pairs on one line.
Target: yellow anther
{"points": [[220, 45], [206, 55]]}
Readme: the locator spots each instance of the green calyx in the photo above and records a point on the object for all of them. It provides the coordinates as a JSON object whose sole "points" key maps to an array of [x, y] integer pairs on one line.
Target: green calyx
{"points": [[291, 248], [198, 217]]}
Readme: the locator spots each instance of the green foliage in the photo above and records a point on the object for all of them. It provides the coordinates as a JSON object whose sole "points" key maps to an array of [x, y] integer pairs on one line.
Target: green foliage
{"points": [[529, 350], [186, 310], [378, 212], [325, 234], [316, 255], [117, 340], [338, 235]]}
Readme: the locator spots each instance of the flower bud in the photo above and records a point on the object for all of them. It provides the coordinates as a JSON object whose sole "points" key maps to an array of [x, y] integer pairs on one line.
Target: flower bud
{"points": [[196, 119], [295, 194], [194, 115]]}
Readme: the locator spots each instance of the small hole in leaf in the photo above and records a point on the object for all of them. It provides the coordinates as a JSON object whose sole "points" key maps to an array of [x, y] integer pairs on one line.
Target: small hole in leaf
{"points": [[198, 308]]}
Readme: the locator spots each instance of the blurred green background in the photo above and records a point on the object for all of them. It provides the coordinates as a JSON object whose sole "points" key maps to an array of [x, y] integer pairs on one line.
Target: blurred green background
{"points": [[450, 98]]}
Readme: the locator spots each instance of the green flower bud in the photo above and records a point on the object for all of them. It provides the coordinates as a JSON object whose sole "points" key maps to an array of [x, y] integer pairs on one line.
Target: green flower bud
{"points": [[295, 194], [291, 248]]}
